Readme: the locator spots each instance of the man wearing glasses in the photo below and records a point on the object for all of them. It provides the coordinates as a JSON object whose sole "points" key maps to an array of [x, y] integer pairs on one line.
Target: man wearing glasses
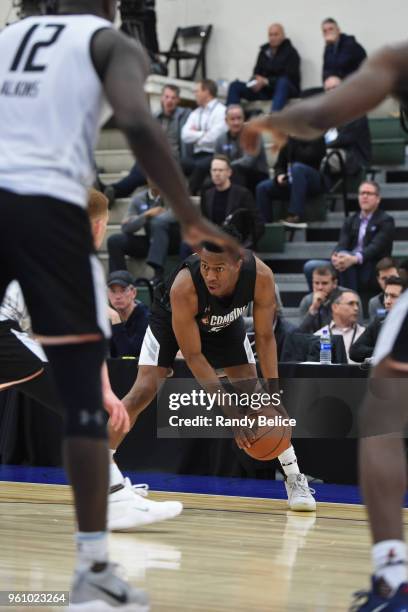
{"points": [[365, 238], [345, 312]]}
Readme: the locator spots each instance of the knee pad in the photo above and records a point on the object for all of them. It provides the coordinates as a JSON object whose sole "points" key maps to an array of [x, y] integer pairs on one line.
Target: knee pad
{"points": [[77, 372]]}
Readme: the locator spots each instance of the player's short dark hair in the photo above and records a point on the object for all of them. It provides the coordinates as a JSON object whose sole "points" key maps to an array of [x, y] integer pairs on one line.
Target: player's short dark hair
{"points": [[395, 280], [223, 158], [37, 7], [385, 264], [174, 88], [212, 247], [330, 20], [210, 86], [325, 270]]}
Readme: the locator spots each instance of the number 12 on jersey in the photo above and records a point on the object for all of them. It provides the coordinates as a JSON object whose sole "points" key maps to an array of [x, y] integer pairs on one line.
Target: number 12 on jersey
{"points": [[30, 65]]}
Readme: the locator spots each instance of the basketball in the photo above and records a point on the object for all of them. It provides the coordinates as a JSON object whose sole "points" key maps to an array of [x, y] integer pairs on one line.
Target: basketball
{"points": [[270, 441]]}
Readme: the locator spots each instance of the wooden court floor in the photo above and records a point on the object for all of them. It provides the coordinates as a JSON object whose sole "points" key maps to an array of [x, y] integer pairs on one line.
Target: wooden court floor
{"points": [[222, 554]]}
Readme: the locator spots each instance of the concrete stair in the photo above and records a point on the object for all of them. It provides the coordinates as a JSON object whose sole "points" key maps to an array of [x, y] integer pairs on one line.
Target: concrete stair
{"points": [[329, 230], [118, 212], [138, 269], [114, 161]]}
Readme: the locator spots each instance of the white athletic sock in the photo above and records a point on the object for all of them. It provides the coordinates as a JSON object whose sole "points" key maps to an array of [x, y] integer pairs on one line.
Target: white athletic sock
{"points": [[288, 461], [115, 475], [92, 547], [390, 562]]}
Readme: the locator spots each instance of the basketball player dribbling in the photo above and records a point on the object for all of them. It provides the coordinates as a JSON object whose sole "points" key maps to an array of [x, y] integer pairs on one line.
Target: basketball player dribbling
{"points": [[200, 312], [384, 415], [55, 74]]}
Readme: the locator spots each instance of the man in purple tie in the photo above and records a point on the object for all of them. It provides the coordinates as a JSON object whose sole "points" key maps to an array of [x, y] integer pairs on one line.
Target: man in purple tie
{"points": [[365, 238]]}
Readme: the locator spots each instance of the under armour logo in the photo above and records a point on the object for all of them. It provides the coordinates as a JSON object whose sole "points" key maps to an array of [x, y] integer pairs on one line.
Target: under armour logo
{"points": [[86, 417]]}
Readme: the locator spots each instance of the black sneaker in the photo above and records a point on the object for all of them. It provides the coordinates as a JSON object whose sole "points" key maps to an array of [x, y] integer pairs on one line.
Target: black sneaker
{"points": [[109, 192]]}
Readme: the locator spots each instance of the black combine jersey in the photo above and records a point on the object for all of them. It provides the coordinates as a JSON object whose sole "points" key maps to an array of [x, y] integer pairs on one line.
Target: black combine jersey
{"points": [[214, 314]]}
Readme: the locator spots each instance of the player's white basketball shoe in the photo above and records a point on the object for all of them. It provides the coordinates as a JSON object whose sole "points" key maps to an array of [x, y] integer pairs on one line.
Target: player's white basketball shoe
{"points": [[300, 498], [129, 508], [105, 591]]}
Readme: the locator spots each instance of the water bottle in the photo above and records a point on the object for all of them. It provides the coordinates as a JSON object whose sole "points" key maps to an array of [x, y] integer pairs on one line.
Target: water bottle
{"points": [[325, 347]]}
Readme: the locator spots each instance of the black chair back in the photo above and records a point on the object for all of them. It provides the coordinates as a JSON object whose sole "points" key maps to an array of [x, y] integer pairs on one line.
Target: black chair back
{"points": [[185, 37]]}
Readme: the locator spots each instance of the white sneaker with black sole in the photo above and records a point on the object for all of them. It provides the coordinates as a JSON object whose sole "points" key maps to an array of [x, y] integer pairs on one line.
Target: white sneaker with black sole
{"points": [[129, 508], [300, 498], [105, 591]]}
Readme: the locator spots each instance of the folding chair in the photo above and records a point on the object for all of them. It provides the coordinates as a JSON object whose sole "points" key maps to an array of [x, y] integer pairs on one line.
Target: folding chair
{"points": [[177, 52]]}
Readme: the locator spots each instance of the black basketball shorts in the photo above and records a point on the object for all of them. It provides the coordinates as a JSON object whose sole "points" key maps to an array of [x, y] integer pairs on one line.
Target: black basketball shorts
{"points": [[46, 244], [393, 339], [226, 348]]}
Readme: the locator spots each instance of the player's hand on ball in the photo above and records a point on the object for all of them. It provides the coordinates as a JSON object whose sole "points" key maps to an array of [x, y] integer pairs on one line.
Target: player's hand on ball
{"points": [[244, 436], [119, 417]]}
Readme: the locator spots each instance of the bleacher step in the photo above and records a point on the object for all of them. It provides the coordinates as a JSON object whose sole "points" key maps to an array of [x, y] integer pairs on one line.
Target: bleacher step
{"points": [[114, 161], [111, 139]]}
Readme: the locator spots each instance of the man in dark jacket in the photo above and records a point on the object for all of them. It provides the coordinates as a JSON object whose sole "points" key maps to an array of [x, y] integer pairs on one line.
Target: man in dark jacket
{"points": [[365, 237], [364, 346], [128, 317], [296, 177], [161, 235], [352, 140], [315, 308], [276, 74], [229, 203], [384, 269], [342, 53]]}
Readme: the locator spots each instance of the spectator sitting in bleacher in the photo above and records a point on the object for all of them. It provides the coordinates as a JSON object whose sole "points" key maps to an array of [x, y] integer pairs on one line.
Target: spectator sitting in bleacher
{"points": [[363, 348], [248, 170], [344, 317], [147, 210], [232, 204], [276, 75], [365, 238], [171, 117], [297, 176], [315, 307], [127, 315], [342, 53], [385, 269], [352, 140], [201, 130]]}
